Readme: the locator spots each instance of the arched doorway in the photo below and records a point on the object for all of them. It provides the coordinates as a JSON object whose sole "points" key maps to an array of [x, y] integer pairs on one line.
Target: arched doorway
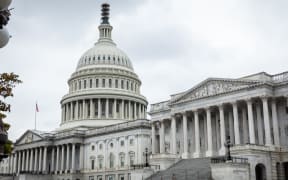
{"points": [[260, 172]]}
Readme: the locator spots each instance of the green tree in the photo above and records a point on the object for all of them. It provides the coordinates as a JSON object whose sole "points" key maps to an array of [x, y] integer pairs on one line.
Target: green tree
{"points": [[7, 82]]}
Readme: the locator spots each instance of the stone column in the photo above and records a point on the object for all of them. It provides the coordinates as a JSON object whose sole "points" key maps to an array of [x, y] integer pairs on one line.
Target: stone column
{"points": [[44, 160], [162, 137], [259, 124], [267, 127], [107, 108], [73, 158], [185, 136], [67, 158], [84, 115], [209, 151], [122, 112], [31, 160], [52, 160], [66, 112], [135, 110], [57, 159], [27, 160], [77, 109], [23, 160], [245, 126], [36, 160], [129, 110], [231, 127], [62, 158], [40, 160], [275, 123], [15, 162], [62, 114], [81, 157], [114, 115], [19, 161], [92, 109], [153, 138], [197, 134], [71, 111], [222, 150], [99, 108], [251, 122], [173, 135], [236, 123]]}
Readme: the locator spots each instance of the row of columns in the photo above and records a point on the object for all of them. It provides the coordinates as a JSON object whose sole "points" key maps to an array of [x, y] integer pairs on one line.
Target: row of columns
{"points": [[31, 160], [65, 158], [103, 108], [104, 83], [234, 131], [61, 158]]}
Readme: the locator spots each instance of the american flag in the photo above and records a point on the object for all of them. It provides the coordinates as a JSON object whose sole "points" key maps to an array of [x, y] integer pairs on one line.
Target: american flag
{"points": [[37, 109]]}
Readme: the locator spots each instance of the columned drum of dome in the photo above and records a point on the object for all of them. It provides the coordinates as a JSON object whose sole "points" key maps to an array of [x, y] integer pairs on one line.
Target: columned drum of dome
{"points": [[104, 89]]}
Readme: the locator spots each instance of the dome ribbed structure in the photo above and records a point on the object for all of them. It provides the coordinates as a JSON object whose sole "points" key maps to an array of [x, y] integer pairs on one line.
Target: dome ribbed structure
{"points": [[104, 89]]}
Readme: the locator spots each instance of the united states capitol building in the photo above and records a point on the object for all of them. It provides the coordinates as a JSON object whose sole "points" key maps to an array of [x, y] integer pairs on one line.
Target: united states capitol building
{"points": [[105, 134]]}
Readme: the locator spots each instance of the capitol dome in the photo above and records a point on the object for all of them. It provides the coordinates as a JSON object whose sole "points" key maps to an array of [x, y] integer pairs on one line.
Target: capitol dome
{"points": [[104, 89], [104, 53]]}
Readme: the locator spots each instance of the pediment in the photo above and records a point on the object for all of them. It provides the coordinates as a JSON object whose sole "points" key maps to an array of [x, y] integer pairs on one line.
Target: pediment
{"points": [[29, 137], [213, 86]]}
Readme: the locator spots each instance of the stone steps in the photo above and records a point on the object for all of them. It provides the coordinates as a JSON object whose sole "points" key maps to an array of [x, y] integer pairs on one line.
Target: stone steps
{"points": [[186, 169]]}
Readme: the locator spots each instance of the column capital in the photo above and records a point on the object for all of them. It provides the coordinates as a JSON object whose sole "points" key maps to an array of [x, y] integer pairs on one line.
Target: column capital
{"points": [[195, 110], [248, 100], [265, 97], [234, 102], [207, 108], [221, 106]]}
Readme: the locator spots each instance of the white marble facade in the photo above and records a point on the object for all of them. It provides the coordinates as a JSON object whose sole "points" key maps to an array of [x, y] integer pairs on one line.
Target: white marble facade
{"points": [[103, 130], [252, 110]]}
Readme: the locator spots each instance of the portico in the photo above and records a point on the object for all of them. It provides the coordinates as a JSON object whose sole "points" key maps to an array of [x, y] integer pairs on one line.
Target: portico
{"points": [[196, 123]]}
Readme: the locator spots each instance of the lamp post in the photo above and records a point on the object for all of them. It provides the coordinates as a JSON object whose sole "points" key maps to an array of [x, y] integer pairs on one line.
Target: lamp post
{"points": [[228, 145]]}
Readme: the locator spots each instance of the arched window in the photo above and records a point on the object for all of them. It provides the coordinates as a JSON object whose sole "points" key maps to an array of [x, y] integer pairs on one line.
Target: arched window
{"points": [[100, 162], [111, 160], [122, 159], [116, 83], [103, 82], [260, 172], [131, 157], [127, 85]]}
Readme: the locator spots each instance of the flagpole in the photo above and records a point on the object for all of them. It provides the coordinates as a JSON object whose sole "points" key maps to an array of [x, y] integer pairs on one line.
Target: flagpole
{"points": [[35, 115]]}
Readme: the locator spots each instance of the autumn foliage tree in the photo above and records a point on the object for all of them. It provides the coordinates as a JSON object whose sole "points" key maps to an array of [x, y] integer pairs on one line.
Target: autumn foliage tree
{"points": [[7, 82]]}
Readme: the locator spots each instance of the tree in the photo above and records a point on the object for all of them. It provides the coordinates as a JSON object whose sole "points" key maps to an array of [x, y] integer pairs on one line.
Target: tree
{"points": [[7, 82]]}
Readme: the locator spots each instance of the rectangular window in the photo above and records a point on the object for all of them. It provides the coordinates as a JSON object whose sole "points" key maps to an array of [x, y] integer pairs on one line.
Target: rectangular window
{"points": [[91, 83], [116, 83], [100, 163], [84, 84], [122, 84], [92, 164], [97, 83], [110, 83]]}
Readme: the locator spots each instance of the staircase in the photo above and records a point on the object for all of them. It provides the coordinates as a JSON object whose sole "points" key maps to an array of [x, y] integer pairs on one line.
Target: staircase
{"points": [[186, 169]]}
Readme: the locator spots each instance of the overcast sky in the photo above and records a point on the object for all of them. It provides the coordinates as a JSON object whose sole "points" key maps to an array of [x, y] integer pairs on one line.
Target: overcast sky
{"points": [[173, 45]]}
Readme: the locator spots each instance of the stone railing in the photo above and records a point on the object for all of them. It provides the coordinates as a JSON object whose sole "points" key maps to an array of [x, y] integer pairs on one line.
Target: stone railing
{"points": [[70, 133], [117, 127], [280, 77], [159, 106]]}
